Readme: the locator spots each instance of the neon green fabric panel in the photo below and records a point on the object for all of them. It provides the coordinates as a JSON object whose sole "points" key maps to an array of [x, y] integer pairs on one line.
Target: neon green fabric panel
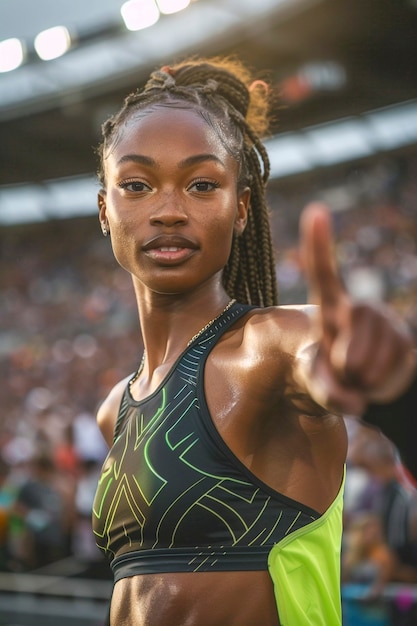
{"points": [[305, 570]]}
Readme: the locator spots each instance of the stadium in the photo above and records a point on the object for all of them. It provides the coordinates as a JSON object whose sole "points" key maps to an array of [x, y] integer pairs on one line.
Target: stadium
{"points": [[345, 133]]}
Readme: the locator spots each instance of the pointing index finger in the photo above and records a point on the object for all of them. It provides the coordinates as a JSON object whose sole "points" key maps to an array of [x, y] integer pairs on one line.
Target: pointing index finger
{"points": [[317, 251]]}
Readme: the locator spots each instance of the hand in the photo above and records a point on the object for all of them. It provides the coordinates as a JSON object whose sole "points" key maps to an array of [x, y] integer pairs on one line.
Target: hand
{"points": [[365, 352]]}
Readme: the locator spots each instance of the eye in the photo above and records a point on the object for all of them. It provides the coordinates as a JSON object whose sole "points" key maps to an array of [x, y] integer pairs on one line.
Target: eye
{"points": [[203, 186], [134, 185]]}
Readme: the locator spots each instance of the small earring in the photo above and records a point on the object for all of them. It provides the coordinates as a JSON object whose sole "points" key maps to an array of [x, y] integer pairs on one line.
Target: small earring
{"points": [[104, 229]]}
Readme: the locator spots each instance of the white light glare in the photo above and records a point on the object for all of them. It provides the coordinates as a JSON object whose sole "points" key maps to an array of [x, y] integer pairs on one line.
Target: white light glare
{"points": [[138, 14], [172, 6], [52, 43], [11, 54]]}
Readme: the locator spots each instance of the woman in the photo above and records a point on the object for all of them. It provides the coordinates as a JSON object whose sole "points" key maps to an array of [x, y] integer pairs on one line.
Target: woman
{"points": [[220, 500]]}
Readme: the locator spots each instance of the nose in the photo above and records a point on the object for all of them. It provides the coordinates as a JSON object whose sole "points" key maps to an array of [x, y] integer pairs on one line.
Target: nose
{"points": [[169, 211]]}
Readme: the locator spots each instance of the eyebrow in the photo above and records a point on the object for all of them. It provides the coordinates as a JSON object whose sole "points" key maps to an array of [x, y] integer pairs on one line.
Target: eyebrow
{"points": [[136, 158], [199, 158], [141, 159]]}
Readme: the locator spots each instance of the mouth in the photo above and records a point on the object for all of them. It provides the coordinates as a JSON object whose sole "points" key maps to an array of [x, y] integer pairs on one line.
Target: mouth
{"points": [[170, 250]]}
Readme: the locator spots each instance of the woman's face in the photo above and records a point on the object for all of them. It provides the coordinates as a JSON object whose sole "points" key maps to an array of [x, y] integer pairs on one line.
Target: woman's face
{"points": [[171, 199]]}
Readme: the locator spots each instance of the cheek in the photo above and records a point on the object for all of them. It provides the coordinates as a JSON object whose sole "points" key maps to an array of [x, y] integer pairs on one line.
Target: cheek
{"points": [[123, 222], [120, 252], [222, 232], [123, 242]]}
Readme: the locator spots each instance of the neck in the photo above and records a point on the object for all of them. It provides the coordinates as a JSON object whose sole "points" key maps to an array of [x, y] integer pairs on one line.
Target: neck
{"points": [[168, 322], [169, 334], [190, 341]]}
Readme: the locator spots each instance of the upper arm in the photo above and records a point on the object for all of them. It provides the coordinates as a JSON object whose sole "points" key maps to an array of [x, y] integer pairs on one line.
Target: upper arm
{"points": [[109, 410]]}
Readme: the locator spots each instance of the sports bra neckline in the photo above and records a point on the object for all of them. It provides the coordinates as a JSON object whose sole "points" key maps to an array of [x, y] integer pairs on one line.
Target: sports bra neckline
{"points": [[232, 314]]}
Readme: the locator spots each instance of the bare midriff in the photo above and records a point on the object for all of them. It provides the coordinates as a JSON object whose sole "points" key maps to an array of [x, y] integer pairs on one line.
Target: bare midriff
{"points": [[195, 599]]}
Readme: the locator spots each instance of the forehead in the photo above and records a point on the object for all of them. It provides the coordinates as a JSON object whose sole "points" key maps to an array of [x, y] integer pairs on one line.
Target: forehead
{"points": [[164, 130]]}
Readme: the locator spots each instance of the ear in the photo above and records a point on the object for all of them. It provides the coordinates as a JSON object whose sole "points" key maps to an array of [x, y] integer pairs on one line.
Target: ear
{"points": [[101, 202], [243, 204]]}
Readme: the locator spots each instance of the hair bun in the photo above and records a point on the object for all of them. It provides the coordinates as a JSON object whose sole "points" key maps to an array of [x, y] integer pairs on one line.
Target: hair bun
{"points": [[206, 74]]}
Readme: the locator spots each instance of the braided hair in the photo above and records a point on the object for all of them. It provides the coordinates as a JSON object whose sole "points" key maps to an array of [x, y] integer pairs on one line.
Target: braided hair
{"points": [[223, 91]]}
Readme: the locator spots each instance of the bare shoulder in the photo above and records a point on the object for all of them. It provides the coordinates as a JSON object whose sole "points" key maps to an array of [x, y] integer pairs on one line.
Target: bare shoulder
{"points": [[284, 328], [277, 344], [109, 409], [263, 346], [288, 315]]}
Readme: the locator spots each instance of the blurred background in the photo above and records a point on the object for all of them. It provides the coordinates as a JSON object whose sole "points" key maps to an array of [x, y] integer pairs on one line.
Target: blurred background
{"points": [[345, 131]]}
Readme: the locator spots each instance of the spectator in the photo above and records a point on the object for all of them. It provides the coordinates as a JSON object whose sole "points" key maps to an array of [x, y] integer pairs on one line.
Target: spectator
{"points": [[41, 508], [368, 564], [393, 499], [367, 558]]}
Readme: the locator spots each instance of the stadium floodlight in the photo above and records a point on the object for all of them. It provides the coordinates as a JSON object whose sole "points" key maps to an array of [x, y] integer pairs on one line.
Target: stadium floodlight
{"points": [[11, 54], [172, 6], [138, 14], [52, 43]]}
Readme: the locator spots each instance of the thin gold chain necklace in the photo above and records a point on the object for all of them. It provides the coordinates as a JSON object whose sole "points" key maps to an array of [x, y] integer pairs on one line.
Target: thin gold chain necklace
{"points": [[193, 338]]}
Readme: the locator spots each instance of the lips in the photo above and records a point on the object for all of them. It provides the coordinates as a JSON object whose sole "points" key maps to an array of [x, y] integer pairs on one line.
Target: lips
{"points": [[169, 242], [169, 250]]}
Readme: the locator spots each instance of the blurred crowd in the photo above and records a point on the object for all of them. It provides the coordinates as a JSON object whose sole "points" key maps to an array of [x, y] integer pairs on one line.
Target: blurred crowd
{"points": [[69, 331]]}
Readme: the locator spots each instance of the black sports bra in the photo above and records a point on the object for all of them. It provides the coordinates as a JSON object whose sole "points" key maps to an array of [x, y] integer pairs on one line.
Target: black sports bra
{"points": [[172, 496]]}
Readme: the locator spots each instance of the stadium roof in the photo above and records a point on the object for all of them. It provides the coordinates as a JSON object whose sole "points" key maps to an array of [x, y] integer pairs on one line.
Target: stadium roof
{"points": [[343, 69]]}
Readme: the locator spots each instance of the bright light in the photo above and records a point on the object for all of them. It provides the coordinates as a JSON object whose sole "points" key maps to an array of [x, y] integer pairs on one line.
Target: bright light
{"points": [[11, 54], [52, 43], [172, 6], [138, 14]]}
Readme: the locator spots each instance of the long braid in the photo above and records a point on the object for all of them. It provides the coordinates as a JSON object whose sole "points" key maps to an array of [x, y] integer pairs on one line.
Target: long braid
{"points": [[220, 89], [261, 281]]}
